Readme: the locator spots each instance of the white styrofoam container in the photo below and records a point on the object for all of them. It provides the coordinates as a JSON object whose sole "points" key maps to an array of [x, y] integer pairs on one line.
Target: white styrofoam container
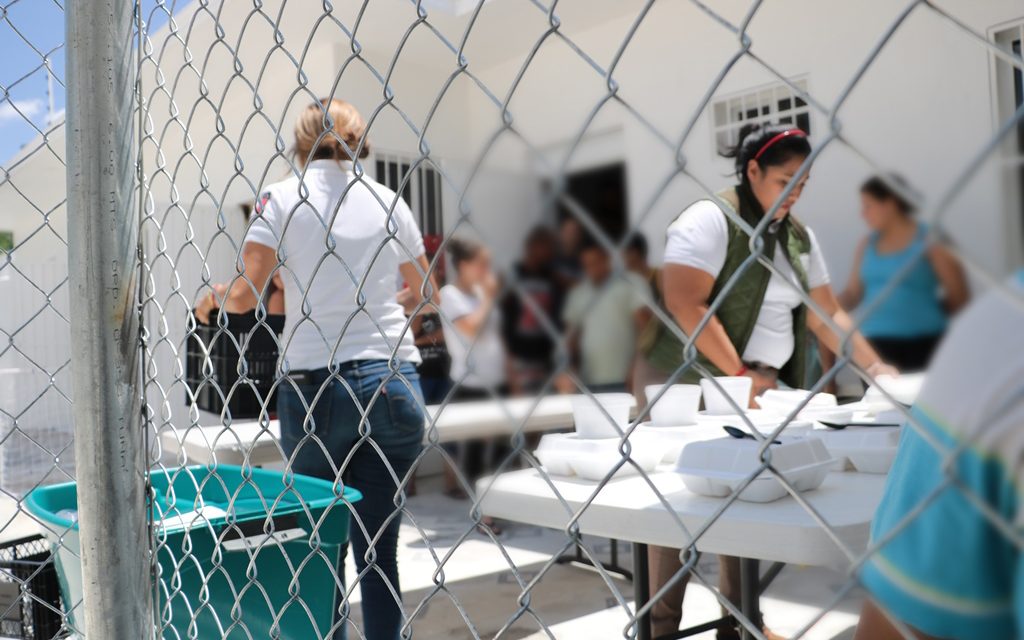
{"points": [[867, 449], [790, 398], [735, 387], [592, 459], [904, 389], [671, 440], [764, 421], [597, 416], [678, 405], [554, 454], [718, 467]]}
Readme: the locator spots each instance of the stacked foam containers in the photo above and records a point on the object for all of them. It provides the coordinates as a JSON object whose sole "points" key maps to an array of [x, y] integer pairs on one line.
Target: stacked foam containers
{"points": [[598, 448], [712, 465]]}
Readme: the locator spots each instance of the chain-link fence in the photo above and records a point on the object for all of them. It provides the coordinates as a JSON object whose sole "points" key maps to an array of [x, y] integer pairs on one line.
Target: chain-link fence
{"points": [[263, 274], [36, 427]]}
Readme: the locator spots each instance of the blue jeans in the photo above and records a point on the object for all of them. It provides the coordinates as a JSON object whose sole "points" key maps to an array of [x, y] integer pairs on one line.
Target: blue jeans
{"points": [[395, 424]]}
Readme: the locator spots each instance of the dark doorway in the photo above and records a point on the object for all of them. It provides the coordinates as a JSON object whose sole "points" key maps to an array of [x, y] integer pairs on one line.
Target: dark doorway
{"points": [[602, 193]]}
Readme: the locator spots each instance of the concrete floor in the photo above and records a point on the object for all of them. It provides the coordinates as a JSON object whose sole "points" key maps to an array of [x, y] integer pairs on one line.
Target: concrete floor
{"points": [[573, 603], [481, 596]]}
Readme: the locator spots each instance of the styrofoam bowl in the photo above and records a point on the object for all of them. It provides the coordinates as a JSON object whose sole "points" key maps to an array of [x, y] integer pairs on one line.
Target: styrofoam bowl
{"points": [[678, 405], [597, 416], [736, 387]]}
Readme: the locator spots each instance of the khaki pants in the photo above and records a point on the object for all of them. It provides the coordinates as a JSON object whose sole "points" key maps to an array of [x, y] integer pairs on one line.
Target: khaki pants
{"points": [[667, 613]]}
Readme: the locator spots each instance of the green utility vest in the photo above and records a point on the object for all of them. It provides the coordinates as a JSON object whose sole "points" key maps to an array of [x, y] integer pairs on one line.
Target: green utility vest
{"points": [[739, 310]]}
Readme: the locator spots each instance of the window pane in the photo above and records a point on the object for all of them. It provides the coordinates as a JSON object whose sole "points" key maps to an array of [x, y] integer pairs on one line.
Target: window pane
{"points": [[800, 101], [786, 120], [785, 104], [803, 120], [381, 172], [392, 175], [407, 190], [431, 201]]}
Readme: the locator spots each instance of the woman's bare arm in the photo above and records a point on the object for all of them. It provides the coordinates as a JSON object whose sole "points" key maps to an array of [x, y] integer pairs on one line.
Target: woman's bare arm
{"points": [[854, 291], [951, 276], [413, 272], [863, 354], [242, 293]]}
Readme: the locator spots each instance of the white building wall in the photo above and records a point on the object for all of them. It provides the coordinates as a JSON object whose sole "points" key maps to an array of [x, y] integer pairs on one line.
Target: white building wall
{"points": [[923, 108]]}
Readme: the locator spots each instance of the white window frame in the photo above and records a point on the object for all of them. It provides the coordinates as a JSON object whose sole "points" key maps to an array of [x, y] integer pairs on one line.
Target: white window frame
{"points": [[730, 113], [1004, 104], [423, 193]]}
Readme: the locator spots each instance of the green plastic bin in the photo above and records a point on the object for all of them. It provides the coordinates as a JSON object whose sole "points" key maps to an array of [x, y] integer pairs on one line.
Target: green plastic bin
{"points": [[220, 574]]}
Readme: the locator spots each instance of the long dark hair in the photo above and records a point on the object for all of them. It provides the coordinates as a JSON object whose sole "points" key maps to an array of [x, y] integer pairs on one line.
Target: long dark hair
{"points": [[768, 145]]}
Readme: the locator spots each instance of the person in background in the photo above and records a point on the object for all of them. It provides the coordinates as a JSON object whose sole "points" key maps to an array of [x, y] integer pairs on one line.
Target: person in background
{"points": [[472, 322], [911, 317], [567, 259], [351, 367], [635, 257], [760, 330], [435, 368], [428, 334], [603, 316], [530, 343], [951, 519], [210, 303]]}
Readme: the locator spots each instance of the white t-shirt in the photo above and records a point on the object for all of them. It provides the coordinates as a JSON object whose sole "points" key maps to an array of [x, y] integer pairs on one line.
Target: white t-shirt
{"points": [[322, 297], [604, 315], [699, 238], [486, 364]]}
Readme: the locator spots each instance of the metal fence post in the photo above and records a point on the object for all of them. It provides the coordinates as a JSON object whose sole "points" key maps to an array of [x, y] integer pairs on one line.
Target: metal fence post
{"points": [[102, 245]]}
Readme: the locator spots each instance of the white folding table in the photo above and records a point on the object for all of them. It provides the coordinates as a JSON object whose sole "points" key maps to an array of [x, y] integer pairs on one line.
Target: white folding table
{"points": [[627, 509], [252, 443]]}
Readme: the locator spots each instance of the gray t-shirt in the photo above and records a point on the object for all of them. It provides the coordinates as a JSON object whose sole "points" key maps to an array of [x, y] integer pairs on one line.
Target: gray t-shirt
{"points": [[604, 315]]}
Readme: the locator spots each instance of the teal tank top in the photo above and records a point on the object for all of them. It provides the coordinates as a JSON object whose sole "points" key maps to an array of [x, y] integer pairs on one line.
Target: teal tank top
{"points": [[913, 309]]}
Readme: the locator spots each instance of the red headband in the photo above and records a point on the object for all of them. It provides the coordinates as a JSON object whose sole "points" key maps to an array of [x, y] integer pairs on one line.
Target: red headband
{"points": [[776, 138]]}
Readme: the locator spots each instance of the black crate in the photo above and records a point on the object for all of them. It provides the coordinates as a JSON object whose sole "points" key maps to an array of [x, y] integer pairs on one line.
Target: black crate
{"points": [[212, 357], [30, 604]]}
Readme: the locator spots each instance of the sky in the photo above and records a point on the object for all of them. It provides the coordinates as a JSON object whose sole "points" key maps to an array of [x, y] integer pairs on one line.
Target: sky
{"points": [[32, 31]]}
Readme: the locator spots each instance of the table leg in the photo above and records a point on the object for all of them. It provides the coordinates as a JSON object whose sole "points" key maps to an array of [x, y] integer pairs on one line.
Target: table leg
{"points": [[641, 590], [750, 594], [577, 558]]}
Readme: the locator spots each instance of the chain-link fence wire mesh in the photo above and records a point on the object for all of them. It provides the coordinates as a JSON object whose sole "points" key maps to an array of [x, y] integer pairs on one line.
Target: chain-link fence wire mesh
{"points": [[220, 86], [36, 430], [220, 91]]}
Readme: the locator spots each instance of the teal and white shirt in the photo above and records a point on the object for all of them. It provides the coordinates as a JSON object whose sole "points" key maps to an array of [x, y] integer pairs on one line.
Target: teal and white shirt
{"points": [[951, 521]]}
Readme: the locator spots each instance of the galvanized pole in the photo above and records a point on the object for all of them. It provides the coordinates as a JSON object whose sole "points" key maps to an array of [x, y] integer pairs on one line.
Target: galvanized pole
{"points": [[102, 245]]}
